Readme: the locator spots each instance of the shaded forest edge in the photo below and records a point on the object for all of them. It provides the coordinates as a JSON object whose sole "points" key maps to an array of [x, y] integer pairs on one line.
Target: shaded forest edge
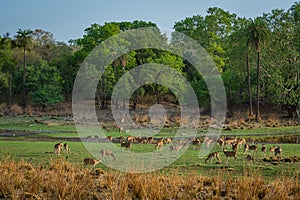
{"points": [[61, 114], [258, 60]]}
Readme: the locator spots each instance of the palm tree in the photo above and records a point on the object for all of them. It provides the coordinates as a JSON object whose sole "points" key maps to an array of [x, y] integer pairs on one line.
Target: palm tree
{"points": [[296, 12], [257, 36], [23, 40], [249, 85]]}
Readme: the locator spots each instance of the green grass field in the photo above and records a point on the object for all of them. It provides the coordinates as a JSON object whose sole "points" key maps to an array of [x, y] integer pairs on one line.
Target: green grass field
{"points": [[37, 145]]}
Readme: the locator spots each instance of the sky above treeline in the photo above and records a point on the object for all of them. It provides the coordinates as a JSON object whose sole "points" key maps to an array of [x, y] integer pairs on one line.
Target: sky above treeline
{"points": [[67, 19]]}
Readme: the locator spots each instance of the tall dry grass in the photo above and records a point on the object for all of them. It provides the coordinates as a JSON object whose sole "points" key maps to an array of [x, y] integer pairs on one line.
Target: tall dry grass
{"points": [[61, 180]]}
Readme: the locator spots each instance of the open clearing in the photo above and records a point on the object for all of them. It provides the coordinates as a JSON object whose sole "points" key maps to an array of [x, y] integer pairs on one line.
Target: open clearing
{"points": [[21, 138]]}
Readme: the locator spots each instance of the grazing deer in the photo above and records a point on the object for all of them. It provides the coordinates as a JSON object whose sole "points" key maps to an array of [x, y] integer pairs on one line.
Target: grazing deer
{"points": [[249, 157], [91, 161], [109, 138], [168, 140], [130, 139], [57, 148], [149, 140], [230, 154], [278, 151], [248, 147], [127, 145], [213, 155], [159, 144], [196, 142], [121, 138], [66, 148], [175, 148], [263, 149], [105, 152]]}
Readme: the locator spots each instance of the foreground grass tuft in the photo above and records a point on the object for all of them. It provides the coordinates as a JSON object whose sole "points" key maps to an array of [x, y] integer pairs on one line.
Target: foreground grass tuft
{"points": [[62, 180]]}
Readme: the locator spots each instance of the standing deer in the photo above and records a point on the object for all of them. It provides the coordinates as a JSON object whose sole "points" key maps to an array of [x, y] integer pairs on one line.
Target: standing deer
{"points": [[230, 154], [272, 149], [57, 148], [264, 149], [213, 155], [278, 151], [235, 146], [66, 148], [208, 141], [196, 142], [221, 142], [159, 144]]}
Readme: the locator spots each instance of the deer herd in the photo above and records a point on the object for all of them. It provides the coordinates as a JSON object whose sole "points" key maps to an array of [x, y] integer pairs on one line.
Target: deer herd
{"points": [[233, 143]]}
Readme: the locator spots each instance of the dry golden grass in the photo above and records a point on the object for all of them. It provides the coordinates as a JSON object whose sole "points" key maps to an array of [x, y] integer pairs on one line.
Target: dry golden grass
{"points": [[61, 180]]}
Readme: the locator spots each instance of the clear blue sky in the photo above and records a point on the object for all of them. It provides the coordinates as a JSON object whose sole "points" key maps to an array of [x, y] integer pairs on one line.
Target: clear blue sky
{"points": [[67, 19]]}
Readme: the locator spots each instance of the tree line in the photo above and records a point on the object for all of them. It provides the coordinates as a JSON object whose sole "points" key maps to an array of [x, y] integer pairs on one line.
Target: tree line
{"points": [[258, 60]]}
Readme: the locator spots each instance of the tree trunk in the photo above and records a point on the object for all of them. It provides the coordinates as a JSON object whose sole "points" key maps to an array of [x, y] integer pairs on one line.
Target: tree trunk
{"points": [[24, 80], [230, 103], [258, 88], [102, 94], [10, 89], [249, 86]]}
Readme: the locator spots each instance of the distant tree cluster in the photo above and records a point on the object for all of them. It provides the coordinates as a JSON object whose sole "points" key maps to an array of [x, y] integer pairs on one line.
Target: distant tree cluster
{"points": [[258, 60]]}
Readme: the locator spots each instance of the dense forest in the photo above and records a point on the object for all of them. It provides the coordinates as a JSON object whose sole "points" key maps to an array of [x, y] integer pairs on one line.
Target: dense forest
{"points": [[259, 60]]}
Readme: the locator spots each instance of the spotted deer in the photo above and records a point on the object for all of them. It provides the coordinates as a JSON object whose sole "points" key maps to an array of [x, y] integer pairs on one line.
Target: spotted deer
{"points": [[277, 151], [263, 149], [175, 148], [106, 152], [248, 147], [109, 138], [66, 148], [57, 148], [127, 145], [159, 144], [213, 155], [230, 154], [91, 161]]}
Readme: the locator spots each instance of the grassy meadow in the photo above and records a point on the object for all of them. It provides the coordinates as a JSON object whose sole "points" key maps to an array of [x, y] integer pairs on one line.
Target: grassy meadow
{"points": [[26, 155]]}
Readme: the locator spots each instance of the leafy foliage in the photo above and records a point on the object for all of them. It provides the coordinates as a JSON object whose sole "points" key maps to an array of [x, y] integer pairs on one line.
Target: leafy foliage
{"points": [[235, 44], [44, 84]]}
